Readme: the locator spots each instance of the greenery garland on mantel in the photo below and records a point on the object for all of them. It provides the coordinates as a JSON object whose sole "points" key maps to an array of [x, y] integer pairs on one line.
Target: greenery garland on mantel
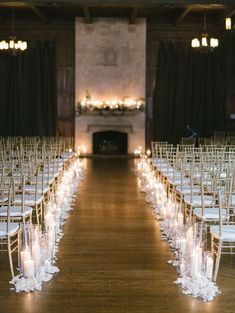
{"points": [[113, 107]]}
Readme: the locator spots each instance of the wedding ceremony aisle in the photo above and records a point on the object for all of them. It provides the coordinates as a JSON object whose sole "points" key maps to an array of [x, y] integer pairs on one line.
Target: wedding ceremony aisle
{"points": [[112, 258]]}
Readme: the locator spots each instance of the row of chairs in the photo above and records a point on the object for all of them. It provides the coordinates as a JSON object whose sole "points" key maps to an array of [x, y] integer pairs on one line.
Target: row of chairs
{"points": [[202, 181], [30, 170]]}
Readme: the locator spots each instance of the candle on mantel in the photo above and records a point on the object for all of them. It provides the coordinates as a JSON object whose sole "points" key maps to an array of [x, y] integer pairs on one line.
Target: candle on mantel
{"points": [[29, 268]]}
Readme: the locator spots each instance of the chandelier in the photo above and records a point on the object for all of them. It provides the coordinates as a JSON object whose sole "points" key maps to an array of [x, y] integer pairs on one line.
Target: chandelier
{"points": [[12, 44], [205, 43]]}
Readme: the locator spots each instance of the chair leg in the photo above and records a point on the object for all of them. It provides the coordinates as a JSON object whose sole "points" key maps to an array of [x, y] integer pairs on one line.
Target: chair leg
{"points": [[10, 256], [217, 261]]}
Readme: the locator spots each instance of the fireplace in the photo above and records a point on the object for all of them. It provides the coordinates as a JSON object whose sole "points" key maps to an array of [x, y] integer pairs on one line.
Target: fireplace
{"points": [[109, 142]]}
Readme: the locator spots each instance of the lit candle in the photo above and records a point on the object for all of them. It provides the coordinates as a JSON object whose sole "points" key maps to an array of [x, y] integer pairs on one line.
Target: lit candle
{"points": [[183, 246], [180, 219], [28, 268], [189, 239], [36, 253], [199, 254], [148, 152], [209, 267], [182, 268], [194, 264], [24, 256]]}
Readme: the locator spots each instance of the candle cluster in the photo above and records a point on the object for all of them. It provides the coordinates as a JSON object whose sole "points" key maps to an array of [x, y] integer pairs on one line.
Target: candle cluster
{"points": [[111, 106], [39, 250], [187, 240]]}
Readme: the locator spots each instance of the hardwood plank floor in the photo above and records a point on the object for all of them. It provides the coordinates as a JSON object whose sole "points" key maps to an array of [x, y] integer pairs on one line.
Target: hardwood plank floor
{"points": [[111, 258]]}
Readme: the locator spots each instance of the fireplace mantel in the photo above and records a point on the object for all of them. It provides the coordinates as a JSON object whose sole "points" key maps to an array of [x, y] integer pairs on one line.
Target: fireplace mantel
{"points": [[133, 125], [97, 127]]}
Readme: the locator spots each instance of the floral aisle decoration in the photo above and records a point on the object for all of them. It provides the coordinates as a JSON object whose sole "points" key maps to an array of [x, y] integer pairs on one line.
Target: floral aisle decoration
{"points": [[110, 107], [188, 242], [38, 255]]}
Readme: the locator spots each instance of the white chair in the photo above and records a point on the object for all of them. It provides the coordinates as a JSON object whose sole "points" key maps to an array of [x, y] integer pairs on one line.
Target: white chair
{"points": [[9, 234], [222, 236]]}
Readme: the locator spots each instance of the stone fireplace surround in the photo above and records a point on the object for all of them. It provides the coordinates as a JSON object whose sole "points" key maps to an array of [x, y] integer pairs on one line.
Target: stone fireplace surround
{"points": [[131, 123]]}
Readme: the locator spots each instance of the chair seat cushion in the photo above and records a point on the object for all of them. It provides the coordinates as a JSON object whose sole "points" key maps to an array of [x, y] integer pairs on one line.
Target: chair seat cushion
{"points": [[15, 211], [41, 189], [30, 200], [197, 201], [210, 213], [228, 232], [186, 189], [13, 228], [177, 181]]}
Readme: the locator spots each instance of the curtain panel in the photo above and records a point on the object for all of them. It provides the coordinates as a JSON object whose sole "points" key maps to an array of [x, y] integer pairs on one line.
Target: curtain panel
{"points": [[28, 105], [190, 89]]}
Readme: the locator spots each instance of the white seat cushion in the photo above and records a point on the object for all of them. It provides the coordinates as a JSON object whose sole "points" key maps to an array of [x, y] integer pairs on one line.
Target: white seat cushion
{"points": [[41, 189], [228, 232], [210, 213], [29, 200], [15, 211], [186, 189], [197, 201], [177, 181], [14, 227]]}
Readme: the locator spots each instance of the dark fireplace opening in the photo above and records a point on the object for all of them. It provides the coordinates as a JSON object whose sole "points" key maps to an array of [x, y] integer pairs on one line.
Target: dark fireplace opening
{"points": [[109, 142]]}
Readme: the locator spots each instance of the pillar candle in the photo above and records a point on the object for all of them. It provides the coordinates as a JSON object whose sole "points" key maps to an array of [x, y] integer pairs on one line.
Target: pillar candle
{"points": [[180, 219], [36, 253], [28, 268], [24, 256], [182, 268], [194, 264], [199, 254], [209, 267], [183, 246]]}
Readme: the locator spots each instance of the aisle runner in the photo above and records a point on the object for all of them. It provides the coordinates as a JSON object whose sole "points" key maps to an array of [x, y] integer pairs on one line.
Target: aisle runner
{"points": [[39, 254], [194, 264]]}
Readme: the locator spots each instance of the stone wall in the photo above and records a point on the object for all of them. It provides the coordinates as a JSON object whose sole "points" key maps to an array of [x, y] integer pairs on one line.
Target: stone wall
{"points": [[110, 64]]}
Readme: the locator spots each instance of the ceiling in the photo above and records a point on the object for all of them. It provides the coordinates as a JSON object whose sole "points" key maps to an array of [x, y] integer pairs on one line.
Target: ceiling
{"points": [[171, 11]]}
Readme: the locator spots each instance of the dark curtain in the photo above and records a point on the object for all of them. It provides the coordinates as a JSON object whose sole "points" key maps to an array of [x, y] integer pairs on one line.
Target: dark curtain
{"points": [[28, 91], [190, 89]]}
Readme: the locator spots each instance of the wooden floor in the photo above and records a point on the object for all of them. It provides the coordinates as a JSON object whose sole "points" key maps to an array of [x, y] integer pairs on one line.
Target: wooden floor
{"points": [[111, 257]]}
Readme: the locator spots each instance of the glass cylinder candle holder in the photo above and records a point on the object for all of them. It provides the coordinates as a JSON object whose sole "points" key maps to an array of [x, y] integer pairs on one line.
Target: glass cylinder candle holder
{"points": [[208, 265]]}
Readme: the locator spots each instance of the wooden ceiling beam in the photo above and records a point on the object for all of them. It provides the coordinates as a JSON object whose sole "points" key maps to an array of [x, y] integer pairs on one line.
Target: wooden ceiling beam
{"points": [[182, 15], [87, 14], [38, 12], [133, 16], [121, 3]]}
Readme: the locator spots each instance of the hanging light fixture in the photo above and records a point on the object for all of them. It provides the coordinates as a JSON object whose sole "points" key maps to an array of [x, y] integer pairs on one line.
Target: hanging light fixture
{"points": [[12, 44], [228, 23], [205, 43]]}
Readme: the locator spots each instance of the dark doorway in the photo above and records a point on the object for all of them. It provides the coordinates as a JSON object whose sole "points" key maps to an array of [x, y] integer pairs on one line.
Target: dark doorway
{"points": [[110, 142]]}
